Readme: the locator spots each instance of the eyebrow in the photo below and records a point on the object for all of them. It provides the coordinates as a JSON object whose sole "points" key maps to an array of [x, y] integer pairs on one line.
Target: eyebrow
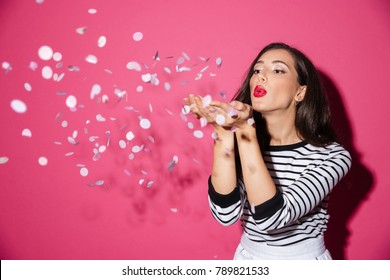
{"points": [[273, 62]]}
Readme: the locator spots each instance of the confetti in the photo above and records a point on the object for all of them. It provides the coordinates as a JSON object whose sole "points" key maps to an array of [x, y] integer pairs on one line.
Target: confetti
{"points": [[92, 11], [26, 133], [137, 36], [218, 61], [220, 119], [122, 144], [145, 123], [33, 65], [91, 59], [95, 90], [84, 172], [102, 41], [173, 162], [130, 135], [6, 66], [27, 87], [18, 106], [81, 30], [57, 57], [4, 160], [100, 118], [133, 65], [198, 134], [47, 72], [42, 161], [71, 101], [45, 53]]}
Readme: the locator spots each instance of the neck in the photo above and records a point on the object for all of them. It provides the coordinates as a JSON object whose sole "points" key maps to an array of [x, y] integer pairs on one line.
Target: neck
{"points": [[282, 129]]}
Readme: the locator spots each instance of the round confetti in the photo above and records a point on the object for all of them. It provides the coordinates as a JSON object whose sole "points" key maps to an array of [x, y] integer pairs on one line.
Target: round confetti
{"points": [[137, 36], [186, 109], [64, 124], [145, 123], [218, 61], [95, 90], [71, 101], [42, 161], [33, 65], [139, 88], [47, 72], [45, 53], [220, 119], [18, 106], [122, 144], [92, 11], [57, 56], [3, 160], [198, 134], [102, 41], [84, 171]]}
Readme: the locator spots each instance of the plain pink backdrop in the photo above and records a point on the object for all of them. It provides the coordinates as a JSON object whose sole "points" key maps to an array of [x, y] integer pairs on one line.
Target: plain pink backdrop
{"points": [[147, 207]]}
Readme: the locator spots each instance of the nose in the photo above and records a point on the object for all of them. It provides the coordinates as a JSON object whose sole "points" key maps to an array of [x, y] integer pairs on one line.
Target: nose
{"points": [[261, 77]]}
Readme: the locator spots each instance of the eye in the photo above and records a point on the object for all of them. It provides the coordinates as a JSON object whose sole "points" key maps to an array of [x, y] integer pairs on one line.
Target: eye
{"points": [[256, 71], [279, 71]]}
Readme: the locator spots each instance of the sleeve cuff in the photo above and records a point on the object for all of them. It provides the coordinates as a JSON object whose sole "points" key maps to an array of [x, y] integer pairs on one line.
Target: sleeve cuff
{"points": [[270, 207], [223, 200]]}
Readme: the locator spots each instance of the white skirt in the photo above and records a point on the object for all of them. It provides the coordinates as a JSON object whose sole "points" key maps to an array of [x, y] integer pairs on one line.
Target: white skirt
{"points": [[311, 249]]}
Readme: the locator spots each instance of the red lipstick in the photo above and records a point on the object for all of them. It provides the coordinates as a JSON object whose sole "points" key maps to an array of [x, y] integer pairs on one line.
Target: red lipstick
{"points": [[259, 92]]}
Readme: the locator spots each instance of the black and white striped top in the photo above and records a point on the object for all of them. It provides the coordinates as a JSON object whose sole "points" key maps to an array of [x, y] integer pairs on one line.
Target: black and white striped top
{"points": [[304, 176]]}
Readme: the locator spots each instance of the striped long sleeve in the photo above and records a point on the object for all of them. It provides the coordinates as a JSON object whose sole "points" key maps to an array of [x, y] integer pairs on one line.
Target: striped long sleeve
{"points": [[304, 176]]}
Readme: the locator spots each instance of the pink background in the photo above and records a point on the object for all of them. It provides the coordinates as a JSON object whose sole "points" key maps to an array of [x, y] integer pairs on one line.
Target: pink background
{"points": [[53, 212]]}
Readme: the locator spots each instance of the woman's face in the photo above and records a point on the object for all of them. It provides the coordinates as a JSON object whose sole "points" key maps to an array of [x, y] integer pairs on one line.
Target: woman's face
{"points": [[274, 84]]}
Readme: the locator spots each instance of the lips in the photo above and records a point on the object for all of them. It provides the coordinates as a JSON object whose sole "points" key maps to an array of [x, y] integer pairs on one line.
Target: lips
{"points": [[259, 92]]}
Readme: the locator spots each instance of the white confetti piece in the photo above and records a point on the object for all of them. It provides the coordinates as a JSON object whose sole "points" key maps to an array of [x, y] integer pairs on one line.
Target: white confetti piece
{"points": [[232, 112], [139, 88], [100, 118], [33, 65], [18, 106], [47, 72], [167, 86], [57, 56], [203, 122], [92, 11], [186, 109], [102, 149], [149, 184], [138, 36], [133, 65], [218, 61], [64, 124], [71, 101], [173, 162], [42, 161], [27, 87], [4, 160], [251, 121], [198, 134], [137, 149], [84, 172], [174, 210], [145, 123], [39, 1], [95, 90], [102, 41], [91, 59], [81, 30], [206, 100], [220, 119], [146, 78], [45, 52], [130, 135], [26, 132], [6, 66], [122, 144]]}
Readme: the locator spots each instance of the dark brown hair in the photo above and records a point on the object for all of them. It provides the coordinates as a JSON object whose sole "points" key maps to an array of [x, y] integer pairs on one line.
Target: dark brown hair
{"points": [[313, 117]]}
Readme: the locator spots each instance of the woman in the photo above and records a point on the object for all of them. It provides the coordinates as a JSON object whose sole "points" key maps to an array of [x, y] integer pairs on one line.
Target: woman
{"points": [[276, 158]]}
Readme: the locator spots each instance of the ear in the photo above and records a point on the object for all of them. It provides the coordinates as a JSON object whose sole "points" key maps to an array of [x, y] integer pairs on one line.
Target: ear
{"points": [[300, 94]]}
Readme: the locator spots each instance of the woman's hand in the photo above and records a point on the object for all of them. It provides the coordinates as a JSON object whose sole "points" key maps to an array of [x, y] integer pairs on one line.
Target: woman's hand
{"points": [[217, 113]]}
